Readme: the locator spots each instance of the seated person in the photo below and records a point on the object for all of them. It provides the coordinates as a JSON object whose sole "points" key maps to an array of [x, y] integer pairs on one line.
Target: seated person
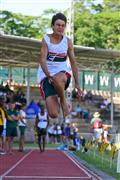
{"points": [[78, 111], [106, 104]]}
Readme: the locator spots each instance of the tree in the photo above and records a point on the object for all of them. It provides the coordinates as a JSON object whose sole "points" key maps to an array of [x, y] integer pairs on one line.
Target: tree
{"points": [[19, 25], [98, 27], [111, 5], [27, 26]]}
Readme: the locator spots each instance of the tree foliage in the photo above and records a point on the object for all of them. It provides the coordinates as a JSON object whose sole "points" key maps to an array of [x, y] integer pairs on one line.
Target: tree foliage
{"points": [[20, 25], [111, 5], [27, 26], [95, 25]]}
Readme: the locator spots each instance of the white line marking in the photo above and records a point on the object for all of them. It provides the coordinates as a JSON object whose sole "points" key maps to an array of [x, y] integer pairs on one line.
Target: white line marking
{"points": [[89, 175], [91, 172], [45, 177], [15, 165]]}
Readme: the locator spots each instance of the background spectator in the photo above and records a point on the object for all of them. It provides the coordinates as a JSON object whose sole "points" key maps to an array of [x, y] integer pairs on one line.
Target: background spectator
{"points": [[96, 124], [22, 126], [11, 125]]}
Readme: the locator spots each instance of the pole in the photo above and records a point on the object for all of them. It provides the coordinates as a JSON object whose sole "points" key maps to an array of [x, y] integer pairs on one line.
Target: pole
{"points": [[69, 33], [112, 108], [70, 22], [28, 80], [28, 85]]}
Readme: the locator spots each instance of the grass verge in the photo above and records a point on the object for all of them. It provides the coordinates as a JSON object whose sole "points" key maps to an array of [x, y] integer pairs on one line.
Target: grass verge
{"points": [[100, 163]]}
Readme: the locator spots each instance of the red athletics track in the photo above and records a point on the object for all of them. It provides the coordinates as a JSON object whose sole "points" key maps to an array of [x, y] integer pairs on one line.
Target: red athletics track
{"points": [[32, 165]]}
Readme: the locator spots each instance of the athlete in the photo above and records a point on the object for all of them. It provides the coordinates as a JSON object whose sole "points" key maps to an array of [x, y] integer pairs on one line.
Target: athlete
{"points": [[42, 122], [54, 73]]}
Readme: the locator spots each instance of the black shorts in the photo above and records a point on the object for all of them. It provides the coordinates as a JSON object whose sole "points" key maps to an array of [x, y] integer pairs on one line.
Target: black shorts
{"points": [[41, 131], [1, 130], [50, 135]]}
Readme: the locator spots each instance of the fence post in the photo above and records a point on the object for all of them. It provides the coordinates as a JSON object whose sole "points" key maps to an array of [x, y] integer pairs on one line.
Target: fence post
{"points": [[118, 162], [117, 138]]}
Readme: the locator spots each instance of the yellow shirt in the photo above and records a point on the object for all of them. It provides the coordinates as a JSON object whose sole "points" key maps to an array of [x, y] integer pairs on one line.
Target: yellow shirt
{"points": [[2, 116]]}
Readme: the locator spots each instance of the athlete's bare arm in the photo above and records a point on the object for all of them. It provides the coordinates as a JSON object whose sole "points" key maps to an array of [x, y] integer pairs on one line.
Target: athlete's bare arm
{"points": [[43, 58], [74, 67]]}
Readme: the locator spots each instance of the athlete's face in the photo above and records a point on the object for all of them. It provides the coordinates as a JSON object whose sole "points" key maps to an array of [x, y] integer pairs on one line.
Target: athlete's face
{"points": [[59, 27]]}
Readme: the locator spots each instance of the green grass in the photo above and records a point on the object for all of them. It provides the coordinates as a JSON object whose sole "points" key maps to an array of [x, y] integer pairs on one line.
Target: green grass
{"points": [[98, 163]]}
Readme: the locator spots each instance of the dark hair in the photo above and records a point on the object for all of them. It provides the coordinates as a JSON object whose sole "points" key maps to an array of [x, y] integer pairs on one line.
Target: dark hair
{"points": [[58, 16], [12, 101]]}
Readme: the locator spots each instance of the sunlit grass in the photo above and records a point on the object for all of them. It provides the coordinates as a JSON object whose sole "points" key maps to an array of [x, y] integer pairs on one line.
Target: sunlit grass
{"points": [[99, 162]]}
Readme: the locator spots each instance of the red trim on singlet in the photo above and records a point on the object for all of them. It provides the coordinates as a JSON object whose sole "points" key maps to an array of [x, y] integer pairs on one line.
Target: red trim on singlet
{"points": [[58, 55], [41, 89], [67, 74]]}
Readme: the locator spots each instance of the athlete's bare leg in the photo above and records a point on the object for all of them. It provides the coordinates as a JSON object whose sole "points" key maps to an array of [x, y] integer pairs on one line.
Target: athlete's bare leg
{"points": [[52, 102], [53, 106], [39, 143], [43, 139], [59, 82], [21, 143]]}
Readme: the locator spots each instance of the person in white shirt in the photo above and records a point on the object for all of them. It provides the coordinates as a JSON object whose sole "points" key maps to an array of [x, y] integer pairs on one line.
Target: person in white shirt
{"points": [[22, 126], [42, 121]]}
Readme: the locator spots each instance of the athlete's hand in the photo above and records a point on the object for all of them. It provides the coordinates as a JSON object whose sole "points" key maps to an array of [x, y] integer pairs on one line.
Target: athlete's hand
{"points": [[50, 78], [79, 91]]}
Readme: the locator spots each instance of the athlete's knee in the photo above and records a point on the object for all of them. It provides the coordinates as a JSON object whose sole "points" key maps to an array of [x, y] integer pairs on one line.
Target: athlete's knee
{"points": [[53, 114], [60, 77]]}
